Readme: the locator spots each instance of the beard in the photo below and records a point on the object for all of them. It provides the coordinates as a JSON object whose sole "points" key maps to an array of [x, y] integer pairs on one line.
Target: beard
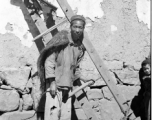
{"points": [[77, 37]]}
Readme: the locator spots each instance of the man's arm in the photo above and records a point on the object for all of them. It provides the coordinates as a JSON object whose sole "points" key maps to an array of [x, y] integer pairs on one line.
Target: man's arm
{"points": [[50, 66], [50, 74]]}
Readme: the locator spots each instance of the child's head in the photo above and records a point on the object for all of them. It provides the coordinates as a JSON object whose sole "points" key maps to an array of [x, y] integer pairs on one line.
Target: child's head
{"points": [[146, 66]]}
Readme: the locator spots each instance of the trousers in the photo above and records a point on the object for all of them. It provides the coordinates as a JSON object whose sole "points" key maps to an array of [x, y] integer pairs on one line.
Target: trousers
{"points": [[147, 104], [59, 107]]}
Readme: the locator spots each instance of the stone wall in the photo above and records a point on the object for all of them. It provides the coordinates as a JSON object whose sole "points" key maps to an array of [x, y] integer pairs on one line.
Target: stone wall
{"points": [[118, 29]]}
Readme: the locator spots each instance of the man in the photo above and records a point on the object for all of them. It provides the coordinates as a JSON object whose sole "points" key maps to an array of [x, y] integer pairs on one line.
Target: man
{"points": [[57, 66]]}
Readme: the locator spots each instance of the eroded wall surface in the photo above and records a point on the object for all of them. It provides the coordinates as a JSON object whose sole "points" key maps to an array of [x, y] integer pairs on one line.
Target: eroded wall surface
{"points": [[120, 27]]}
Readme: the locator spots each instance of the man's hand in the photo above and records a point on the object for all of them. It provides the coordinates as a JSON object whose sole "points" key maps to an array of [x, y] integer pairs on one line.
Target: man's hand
{"points": [[53, 88]]}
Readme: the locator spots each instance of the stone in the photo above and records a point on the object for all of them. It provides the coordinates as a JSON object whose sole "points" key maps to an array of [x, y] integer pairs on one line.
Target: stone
{"points": [[1, 82], [27, 102], [76, 104], [110, 110], [16, 115], [8, 27], [130, 43], [128, 92], [114, 65], [11, 50], [20, 105], [34, 70], [36, 93], [29, 83], [6, 87], [86, 63], [94, 94], [132, 81], [97, 109], [9, 100], [80, 114], [32, 55], [106, 93], [99, 83], [127, 76], [16, 77], [94, 103], [112, 75]]}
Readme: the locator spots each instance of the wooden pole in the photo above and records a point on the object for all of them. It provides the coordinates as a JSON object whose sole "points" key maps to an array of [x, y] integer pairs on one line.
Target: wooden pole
{"points": [[98, 62], [50, 29], [84, 85]]}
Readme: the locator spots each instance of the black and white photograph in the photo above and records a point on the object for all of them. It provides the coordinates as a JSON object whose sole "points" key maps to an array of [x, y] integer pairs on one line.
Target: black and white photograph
{"points": [[75, 59]]}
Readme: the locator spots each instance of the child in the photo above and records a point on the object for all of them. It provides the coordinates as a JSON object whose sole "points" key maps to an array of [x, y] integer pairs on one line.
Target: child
{"points": [[146, 80]]}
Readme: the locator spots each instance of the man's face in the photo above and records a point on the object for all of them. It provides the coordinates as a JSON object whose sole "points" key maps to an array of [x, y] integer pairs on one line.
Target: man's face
{"points": [[77, 28], [146, 69]]}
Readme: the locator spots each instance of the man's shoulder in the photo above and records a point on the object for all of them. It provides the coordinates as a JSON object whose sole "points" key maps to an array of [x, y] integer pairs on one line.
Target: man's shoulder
{"points": [[59, 39], [63, 34]]}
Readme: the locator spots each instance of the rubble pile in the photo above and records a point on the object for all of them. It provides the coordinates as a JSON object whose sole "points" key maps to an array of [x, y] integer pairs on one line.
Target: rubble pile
{"points": [[20, 93], [17, 90]]}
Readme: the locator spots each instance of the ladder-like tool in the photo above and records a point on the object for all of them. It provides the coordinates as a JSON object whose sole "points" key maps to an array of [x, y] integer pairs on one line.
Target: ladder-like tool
{"points": [[98, 63], [40, 24], [96, 60], [45, 32]]}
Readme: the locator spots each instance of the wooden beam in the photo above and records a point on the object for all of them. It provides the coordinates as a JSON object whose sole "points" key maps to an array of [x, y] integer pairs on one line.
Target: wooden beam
{"points": [[40, 24], [50, 29], [84, 85], [97, 61], [49, 4], [82, 99]]}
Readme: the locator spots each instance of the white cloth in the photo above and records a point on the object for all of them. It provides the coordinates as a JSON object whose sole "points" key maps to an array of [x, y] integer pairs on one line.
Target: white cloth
{"points": [[53, 109]]}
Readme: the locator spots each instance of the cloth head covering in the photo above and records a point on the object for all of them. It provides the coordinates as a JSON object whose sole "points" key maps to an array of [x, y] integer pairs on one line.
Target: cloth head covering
{"points": [[77, 17], [146, 61]]}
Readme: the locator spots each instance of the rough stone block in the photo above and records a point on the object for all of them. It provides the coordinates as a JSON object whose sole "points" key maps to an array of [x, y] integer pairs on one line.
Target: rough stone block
{"points": [[113, 77], [27, 102], [99, 82], [114, 65], [36, 94], [11, 50], [94, 103], [128, 91], [106, 93], [80, 114], [132, 81], [94, 94], [9, 100], [76, 104], [25, 115], [16, 77], [29, 83], [129, 77], [110, 110]]}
